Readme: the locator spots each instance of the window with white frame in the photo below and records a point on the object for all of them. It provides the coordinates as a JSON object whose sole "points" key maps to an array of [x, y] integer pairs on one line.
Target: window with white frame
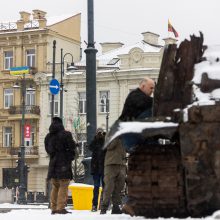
{"points": [[30, 57], [8, 98], [82, 147], [104, 101], [82, 143], [82, 102], [30, 97], [8, 60], [56, 104], [7, 136]]}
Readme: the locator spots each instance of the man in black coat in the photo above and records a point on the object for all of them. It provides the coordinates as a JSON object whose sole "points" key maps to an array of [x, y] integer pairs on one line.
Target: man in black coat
{"points": [[138, 103], [60, 146], [97, 165]]}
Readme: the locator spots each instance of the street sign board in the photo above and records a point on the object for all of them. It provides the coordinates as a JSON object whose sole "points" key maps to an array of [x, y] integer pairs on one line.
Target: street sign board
{"points": [[19, 70], [27, 132], [54, 86]]}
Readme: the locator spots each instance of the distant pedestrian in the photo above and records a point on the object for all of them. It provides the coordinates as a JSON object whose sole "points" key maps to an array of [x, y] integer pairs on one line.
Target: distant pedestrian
{"points": [[60, 146], [97, 165]]}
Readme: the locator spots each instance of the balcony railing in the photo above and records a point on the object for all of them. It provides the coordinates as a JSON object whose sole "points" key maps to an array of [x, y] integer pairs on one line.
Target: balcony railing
{"points": [[29, 151], [29, 109]]}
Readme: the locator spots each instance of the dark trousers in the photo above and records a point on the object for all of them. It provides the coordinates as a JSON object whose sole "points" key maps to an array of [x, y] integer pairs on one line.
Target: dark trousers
{"points": [[98, 181]]}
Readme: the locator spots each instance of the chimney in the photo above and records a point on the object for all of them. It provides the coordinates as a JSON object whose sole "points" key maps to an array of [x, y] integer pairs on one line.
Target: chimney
{"points": [[42, 23], [40, 17], [170, 40], [38, 14], [20, 25], [150, 38], [25, 16], [108, 46]]}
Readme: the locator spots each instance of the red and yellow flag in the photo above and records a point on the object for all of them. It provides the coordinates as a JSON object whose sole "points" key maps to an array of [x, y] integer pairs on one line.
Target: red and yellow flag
{"points": [[171, 29]]}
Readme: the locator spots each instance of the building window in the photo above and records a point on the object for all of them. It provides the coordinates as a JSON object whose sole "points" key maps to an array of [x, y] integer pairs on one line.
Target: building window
{"points": [[104, 101], [30, 57], [30, 97], [8, 60], [56, 104], [8, 98], [82, 148], [7, 136], [82, 144], [82, 102]]}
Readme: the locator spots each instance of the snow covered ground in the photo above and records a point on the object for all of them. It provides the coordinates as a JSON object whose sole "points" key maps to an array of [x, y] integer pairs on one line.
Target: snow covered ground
{"points": [[40, 212]]}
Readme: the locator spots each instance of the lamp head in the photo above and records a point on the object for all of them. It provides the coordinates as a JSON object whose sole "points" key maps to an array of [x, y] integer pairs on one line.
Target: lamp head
{"points": [[16, 85], [31, 88], [71, 67]]}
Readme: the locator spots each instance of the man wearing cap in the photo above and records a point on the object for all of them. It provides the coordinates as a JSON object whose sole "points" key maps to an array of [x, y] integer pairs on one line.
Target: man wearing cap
{"points": [[97, 165]]}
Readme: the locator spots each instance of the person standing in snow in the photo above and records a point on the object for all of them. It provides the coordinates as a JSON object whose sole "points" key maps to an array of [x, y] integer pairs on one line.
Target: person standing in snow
{"points": [[60, 146], [138, 105], [114, 176], [97, 165]]}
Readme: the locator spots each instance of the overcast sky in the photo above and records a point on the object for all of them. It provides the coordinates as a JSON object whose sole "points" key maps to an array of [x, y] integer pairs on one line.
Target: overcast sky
{"points": [[125, 20]]}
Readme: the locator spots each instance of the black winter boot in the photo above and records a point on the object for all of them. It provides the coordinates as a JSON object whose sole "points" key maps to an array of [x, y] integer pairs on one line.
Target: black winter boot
{"points": [[103, 211], [94, 208], [116, 209]]}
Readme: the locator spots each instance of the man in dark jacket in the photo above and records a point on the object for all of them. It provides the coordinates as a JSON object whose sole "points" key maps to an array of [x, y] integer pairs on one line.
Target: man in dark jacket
{"points": [[138, 103], [97, 165], [60, 146]]}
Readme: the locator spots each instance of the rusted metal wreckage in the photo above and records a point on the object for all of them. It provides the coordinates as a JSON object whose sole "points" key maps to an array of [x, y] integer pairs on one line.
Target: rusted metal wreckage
{"points": [[175, 169]]}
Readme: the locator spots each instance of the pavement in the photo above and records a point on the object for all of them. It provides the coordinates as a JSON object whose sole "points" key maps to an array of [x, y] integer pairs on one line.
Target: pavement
{"points": [[7, 208]]}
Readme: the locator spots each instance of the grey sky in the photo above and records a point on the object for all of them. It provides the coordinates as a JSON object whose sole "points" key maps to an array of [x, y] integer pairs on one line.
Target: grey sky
{"points": [[125, 20]]}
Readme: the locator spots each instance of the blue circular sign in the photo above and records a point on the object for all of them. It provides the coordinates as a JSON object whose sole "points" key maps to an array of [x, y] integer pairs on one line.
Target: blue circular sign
{"points": [[54, 86]]}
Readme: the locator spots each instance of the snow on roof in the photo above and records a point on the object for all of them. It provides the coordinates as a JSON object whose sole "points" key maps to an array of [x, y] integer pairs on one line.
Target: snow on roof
{"points": [[34, 23], [104, 59]]}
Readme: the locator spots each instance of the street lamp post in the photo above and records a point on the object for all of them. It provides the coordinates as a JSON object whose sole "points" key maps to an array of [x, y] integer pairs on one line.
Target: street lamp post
{"points": [[71, 67], [107, 118], [53, 76], [22, 187], [90, 77], [22, 168]]}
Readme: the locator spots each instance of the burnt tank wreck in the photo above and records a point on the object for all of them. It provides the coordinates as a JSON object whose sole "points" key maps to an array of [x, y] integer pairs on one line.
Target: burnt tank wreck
{"points": [[174, 162]]}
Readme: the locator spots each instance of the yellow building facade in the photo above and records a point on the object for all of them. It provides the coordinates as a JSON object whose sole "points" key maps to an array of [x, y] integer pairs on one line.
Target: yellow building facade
{"points": [[28, 42]]}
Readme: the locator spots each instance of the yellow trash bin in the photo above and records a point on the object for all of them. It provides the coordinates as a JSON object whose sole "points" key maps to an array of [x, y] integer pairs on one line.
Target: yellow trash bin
{"points": [[82, 195]]}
